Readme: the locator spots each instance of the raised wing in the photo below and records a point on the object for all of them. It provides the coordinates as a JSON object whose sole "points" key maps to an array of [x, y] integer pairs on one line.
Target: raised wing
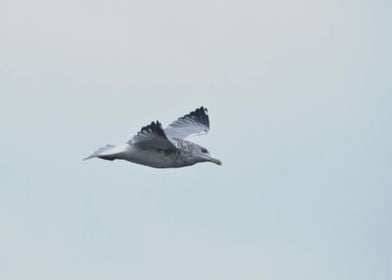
{"points": [[152, 136], [195, 123]]}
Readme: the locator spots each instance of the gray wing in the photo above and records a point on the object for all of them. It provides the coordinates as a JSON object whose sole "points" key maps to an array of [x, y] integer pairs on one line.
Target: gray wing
{"points": [[152, 136], [194, 123]]}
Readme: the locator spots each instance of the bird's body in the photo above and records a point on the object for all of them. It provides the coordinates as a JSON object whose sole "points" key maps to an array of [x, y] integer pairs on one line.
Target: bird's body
{"points": [[164, 148]]}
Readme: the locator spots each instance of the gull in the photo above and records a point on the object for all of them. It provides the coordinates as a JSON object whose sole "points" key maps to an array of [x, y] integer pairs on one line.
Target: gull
{"points": [[164, 148]]}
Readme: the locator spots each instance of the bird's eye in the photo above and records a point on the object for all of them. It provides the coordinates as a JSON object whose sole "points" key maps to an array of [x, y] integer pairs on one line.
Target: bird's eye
{"points": [[204, 150]]}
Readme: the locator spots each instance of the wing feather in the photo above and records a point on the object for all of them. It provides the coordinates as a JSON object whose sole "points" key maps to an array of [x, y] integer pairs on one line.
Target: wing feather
{"points": [[192, 124], [152, 136]]}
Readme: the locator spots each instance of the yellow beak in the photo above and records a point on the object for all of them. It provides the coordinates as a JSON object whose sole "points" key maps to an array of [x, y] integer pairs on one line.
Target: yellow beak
{"points": [[216, 161]]}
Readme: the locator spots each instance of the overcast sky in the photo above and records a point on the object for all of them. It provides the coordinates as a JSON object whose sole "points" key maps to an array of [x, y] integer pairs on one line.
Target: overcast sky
{"points": [[300, 102]]}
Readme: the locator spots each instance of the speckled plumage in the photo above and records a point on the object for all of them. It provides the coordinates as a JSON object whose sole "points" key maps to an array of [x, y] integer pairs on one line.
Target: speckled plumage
{"points": [[164, 148]]}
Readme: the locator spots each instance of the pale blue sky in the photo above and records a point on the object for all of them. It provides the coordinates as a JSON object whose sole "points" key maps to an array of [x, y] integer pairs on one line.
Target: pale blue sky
{"points": [[300, 99]]}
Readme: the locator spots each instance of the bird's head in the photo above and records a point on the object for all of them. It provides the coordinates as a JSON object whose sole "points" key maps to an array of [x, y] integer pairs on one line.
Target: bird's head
{"points": [[204, 155]]}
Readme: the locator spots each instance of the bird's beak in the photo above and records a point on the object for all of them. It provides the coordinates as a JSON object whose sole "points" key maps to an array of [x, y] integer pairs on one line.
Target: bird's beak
{"points": [[215, 160]]}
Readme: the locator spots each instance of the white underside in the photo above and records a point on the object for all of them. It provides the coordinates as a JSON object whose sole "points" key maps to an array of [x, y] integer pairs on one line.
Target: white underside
{"points": [[137, 155]]}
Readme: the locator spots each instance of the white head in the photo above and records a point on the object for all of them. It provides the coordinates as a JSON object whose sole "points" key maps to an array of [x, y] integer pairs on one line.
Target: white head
{"points": [[204, 155]]}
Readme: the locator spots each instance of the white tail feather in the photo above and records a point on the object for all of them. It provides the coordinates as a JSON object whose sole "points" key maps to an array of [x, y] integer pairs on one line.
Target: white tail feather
{"points": [[100, 152]]}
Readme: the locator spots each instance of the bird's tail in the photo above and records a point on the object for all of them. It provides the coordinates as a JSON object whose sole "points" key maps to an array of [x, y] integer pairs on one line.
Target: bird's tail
{"points": [[103, 153]]}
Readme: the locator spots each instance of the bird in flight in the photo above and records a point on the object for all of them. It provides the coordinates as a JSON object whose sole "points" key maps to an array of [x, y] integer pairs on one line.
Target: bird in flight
{"points": [[164, 148]]}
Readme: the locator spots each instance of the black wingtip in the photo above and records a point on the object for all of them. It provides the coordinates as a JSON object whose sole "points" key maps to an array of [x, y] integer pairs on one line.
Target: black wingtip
{"points": [[202, 108], [154, 127], [201, 114]]}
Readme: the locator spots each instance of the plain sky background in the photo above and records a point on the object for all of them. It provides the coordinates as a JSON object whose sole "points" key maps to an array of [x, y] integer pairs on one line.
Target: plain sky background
{"points": [[300, 102]]}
